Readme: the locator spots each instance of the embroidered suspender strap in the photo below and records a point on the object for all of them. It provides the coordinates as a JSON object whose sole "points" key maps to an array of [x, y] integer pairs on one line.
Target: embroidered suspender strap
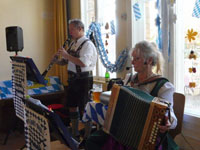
{"points": [[160, 82], [129, 79], [70, 46], [76, 53], [78, 68]]}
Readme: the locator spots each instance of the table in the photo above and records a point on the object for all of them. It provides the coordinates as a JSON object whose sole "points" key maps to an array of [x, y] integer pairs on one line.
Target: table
{"points": [[52, 93]]}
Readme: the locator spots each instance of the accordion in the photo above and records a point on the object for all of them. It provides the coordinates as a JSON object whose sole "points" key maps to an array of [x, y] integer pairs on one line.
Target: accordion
{"points": [[133, 117]]}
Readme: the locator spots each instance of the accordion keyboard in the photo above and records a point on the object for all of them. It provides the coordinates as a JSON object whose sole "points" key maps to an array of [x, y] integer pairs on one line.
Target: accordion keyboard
{"points": [[151, 129]]}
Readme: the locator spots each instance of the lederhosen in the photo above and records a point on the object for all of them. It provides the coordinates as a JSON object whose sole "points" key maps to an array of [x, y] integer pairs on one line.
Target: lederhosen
{"points": [[79, 83]]}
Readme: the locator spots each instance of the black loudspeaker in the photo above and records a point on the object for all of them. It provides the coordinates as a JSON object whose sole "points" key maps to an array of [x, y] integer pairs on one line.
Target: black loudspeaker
{"points": [[14, 39]]}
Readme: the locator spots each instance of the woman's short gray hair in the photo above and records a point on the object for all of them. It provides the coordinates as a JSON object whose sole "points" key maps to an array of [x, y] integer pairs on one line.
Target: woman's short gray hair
{"points": [[150, 50], [77, 23]]}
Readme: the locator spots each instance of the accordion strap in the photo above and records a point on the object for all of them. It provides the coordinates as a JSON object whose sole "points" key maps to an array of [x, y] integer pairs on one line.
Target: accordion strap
{"points": [[160, 81]]}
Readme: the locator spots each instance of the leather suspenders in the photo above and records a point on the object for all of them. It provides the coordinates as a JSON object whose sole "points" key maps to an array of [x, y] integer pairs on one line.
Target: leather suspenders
{"points": [[76, 54]]}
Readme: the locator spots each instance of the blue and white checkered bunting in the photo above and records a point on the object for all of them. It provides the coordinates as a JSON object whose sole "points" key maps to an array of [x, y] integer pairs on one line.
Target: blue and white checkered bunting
{"points": [[95, 112], [137, 12], [6, 89], [55, 85], [196, 10], [112, 25]]}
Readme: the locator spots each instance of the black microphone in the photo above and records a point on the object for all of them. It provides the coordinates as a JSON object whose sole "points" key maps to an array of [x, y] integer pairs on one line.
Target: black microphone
{"points": [[127, 68]]}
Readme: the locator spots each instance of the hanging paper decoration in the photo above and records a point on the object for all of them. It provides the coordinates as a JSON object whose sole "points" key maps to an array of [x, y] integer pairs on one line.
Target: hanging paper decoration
{"points": [[121, 60], [192, 84], [106, 43], [159, 39], [107, 35], [107, 26], [190, 70], [137, 12], [112, 26], [196, 10], [192, 55], [191, 35], [193, 69]]}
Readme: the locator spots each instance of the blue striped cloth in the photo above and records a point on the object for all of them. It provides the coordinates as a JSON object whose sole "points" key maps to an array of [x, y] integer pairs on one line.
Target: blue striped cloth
{"points": [[196, 10], [137, 12], [95, 112]]}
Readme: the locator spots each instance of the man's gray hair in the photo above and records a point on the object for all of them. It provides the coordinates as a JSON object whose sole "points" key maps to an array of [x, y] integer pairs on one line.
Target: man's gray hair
{"points": [[77, 23]]}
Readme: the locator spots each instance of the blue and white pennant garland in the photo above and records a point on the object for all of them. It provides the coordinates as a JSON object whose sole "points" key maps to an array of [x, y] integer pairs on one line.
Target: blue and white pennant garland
{"points": [[96, 29], [137, 12], [196, 10], [112, 25]]}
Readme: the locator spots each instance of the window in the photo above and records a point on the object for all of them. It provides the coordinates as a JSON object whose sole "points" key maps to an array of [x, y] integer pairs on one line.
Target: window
{"points": [[102, 11], [145, 28], [191, 65]]}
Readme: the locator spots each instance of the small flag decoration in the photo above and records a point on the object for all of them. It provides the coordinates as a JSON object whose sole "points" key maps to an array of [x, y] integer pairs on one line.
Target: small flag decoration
{"points": [[196, 10], [112, 25], [137, 12]]}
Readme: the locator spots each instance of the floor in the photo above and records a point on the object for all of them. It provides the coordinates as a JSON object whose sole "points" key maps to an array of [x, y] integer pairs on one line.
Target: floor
{"points": [[189, 139], [16, 142]]}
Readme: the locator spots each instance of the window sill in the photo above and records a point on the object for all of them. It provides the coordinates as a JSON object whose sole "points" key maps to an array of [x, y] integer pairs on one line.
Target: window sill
{"points": [[101, 80]]}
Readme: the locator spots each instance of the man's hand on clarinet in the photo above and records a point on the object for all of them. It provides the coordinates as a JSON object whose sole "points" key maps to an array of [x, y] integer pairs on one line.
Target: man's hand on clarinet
{"points": [[63, 53], [55, 57]]}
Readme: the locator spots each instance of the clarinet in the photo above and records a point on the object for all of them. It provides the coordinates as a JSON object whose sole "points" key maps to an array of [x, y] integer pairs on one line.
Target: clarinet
{"points": [[54, 59]]}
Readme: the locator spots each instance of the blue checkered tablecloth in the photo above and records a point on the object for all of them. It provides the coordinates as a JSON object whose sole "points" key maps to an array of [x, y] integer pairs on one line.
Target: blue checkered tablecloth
{"points": [[53, 85], [95, 112]]}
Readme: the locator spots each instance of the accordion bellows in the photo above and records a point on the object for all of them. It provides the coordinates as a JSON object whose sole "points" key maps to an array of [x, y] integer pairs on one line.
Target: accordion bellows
{"points": [[133, 117]]}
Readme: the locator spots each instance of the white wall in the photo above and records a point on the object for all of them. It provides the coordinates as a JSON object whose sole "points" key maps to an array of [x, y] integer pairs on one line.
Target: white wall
{"points": [[35, 17]]}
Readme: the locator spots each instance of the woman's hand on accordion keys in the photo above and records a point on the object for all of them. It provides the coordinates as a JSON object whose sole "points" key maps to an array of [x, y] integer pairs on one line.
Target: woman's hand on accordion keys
{"points": [[166, 126]]}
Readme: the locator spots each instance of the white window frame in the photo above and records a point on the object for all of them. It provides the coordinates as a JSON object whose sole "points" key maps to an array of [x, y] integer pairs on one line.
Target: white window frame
{"points": [[84, 18]]}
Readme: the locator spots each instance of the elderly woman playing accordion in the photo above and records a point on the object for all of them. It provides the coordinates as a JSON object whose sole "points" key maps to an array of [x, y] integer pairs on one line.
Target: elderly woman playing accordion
{"points": [[146, 59]]}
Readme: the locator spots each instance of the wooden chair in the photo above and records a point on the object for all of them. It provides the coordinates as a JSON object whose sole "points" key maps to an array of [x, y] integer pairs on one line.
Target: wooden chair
{"points": [[179, 104]]}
